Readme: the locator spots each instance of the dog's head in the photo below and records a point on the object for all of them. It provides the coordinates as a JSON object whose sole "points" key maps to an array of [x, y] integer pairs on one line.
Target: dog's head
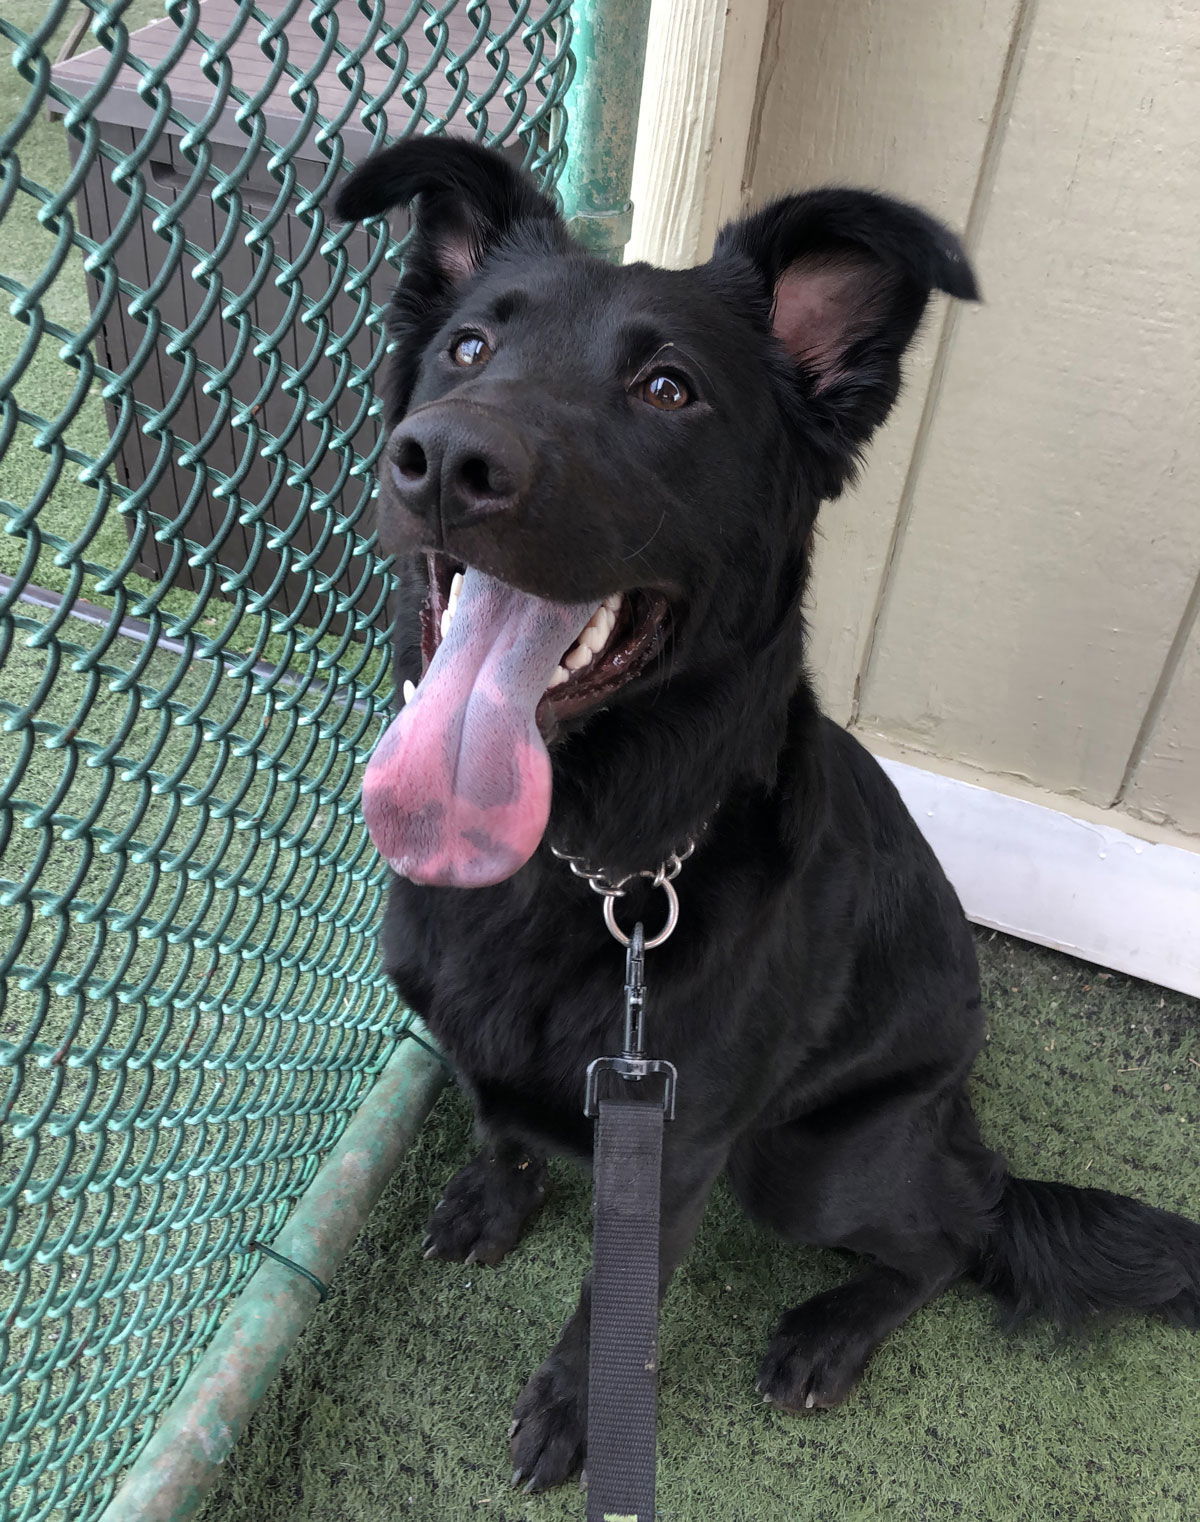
{"points": [[607, 475]]}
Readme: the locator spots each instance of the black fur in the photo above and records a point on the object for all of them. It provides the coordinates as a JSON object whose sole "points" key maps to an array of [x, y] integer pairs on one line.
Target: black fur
{"points": [[820, 996]]}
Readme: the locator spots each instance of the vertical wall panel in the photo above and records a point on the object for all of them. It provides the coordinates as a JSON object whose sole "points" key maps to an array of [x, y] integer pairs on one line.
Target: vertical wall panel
{"points": [[1165, 788], [1055, 534], [898, 98]]}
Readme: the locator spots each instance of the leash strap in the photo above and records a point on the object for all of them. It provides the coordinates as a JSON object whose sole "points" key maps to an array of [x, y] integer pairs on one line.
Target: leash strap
{"points": [[627, 1197], [623, 1368]]}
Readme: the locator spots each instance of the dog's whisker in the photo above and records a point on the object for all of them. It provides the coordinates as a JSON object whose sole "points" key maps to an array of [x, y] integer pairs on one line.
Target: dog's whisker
{"points": [[641, 550]]}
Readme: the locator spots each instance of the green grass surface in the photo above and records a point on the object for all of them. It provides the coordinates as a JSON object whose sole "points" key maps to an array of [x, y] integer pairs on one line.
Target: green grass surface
{"points": [[396, 1402]]}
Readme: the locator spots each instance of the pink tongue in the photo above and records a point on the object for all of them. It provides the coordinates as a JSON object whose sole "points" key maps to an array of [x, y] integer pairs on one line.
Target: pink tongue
{"points": [[457, 793]]}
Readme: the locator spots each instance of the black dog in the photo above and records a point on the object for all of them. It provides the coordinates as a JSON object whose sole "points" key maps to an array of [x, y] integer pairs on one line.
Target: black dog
{"points": [[643, 452]]}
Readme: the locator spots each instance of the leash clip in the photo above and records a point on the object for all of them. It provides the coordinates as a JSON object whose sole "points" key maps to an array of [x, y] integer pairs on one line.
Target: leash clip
{"points": [[632, 1069], [632, 1065]]}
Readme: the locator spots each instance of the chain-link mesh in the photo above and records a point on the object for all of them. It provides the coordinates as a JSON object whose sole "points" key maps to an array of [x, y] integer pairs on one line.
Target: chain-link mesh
{"points": [[193, 653]]}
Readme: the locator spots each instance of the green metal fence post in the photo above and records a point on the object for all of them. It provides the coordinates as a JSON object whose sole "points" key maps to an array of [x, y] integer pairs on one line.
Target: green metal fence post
{"points": [[602, 116]]}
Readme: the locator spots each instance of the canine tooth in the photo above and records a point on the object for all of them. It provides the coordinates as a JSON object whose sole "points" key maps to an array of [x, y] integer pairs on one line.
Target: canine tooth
{"points": [[455, 591], [447, 620], [410, 691], [559, 677], [594, 639], [602, 620], [577, 657]]}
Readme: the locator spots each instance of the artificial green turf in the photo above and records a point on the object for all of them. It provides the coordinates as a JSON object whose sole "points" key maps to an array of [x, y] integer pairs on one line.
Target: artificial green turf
{"points": [[396, 1401]]}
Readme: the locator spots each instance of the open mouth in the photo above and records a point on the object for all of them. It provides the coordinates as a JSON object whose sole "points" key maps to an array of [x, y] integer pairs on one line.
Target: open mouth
{"points": [[457, 792], [620, 640]]}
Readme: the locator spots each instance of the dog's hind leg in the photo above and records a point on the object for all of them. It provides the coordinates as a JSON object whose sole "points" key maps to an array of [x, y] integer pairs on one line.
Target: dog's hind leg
{"points": [[820, 1349], [486, 1206], [907, 1186]]}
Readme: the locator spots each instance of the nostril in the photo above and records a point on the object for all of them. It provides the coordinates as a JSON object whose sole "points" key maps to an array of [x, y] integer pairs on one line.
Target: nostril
{"points": [[479, 477], [410, 461]]}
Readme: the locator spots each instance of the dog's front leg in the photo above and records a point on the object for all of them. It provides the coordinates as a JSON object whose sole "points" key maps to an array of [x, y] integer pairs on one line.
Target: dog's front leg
{"points": [[549, 1427], [486, 1207]]}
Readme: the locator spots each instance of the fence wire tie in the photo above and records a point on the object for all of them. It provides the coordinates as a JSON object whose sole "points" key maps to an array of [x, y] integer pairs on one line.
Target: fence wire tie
{"points": [[319, 1285], [410, 1035]]}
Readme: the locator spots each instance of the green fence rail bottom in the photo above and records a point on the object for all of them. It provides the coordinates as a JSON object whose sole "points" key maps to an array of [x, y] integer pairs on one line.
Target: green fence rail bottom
{"points": [[195, 1435]]}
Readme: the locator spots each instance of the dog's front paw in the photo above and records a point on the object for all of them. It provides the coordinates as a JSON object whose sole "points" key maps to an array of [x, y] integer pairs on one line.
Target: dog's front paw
{"points": [[485, 1209], [549, 1427]]}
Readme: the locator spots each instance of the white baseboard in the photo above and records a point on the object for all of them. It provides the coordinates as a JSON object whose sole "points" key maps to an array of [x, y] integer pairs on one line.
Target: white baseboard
{"points": [[1047, 876]]}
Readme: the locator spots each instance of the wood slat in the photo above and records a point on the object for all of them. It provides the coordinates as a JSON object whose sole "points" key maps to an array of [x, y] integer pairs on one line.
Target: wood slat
{"points": [[1055, 536], [1165, 786], [896, 98]]}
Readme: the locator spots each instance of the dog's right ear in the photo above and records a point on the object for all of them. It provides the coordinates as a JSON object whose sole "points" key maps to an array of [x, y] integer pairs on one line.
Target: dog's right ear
{"points": [[471, 200]]}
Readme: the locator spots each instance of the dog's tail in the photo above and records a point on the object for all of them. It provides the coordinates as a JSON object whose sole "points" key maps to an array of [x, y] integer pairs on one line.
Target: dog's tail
{"points": [[1075, 1254]]}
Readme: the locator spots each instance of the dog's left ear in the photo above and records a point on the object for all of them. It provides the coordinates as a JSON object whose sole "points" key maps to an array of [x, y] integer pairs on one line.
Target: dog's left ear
{"points": [[847, 275]]}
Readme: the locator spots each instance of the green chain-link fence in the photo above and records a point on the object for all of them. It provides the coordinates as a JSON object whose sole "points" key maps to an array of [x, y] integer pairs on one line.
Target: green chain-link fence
{"points": [[193, 656]]}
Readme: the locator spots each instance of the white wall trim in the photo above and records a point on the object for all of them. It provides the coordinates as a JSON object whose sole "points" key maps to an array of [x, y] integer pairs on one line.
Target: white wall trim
{"points": [[698, 100], [1048, 876]]}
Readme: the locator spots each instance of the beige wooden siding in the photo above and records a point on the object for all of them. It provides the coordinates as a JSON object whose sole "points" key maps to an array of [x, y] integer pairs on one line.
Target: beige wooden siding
{"points": [[1013, 586], [1163, 781]]}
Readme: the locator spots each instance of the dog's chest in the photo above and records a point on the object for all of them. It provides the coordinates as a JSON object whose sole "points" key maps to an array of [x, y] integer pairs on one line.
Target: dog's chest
{"points": [[518, 997]]}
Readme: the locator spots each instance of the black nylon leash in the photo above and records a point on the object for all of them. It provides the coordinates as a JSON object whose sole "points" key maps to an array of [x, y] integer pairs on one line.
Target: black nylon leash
{"points": [[627, 1187], [623, 1362], [626, 1218]]}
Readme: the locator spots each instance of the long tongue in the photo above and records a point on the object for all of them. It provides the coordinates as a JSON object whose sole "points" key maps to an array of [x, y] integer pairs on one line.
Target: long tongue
{"points": [[457, 793]]}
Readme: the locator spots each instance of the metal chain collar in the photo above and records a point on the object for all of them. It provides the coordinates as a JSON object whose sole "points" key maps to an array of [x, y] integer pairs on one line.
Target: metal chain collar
{"points": [[664, 877]]}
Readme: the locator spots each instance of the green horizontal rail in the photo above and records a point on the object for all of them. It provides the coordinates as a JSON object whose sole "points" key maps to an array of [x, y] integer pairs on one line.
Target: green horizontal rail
{"points": [[196, 1435]]}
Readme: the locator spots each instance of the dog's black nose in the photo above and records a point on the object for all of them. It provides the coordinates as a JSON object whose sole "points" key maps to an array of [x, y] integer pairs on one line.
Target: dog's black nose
{"points": [[457, 462]]}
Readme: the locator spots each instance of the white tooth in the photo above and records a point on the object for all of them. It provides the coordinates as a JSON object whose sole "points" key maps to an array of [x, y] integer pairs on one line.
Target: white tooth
{"points": [[594, 639], [447, 620], [410, 691], [456, 585], [559, 677], [577, 657], [613, 603]]}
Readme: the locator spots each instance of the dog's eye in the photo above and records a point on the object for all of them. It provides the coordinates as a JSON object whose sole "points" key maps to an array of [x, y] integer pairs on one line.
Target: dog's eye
{"points": [[664, 391], [470, 349]]}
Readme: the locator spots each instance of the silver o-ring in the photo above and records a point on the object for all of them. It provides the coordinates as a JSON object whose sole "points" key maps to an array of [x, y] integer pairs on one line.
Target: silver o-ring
{"points": [[668, 887]]}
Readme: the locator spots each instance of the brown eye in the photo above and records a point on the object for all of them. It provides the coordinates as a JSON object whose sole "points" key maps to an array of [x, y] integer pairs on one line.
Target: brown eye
{"points": [[667, 392], [470, 349]]}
